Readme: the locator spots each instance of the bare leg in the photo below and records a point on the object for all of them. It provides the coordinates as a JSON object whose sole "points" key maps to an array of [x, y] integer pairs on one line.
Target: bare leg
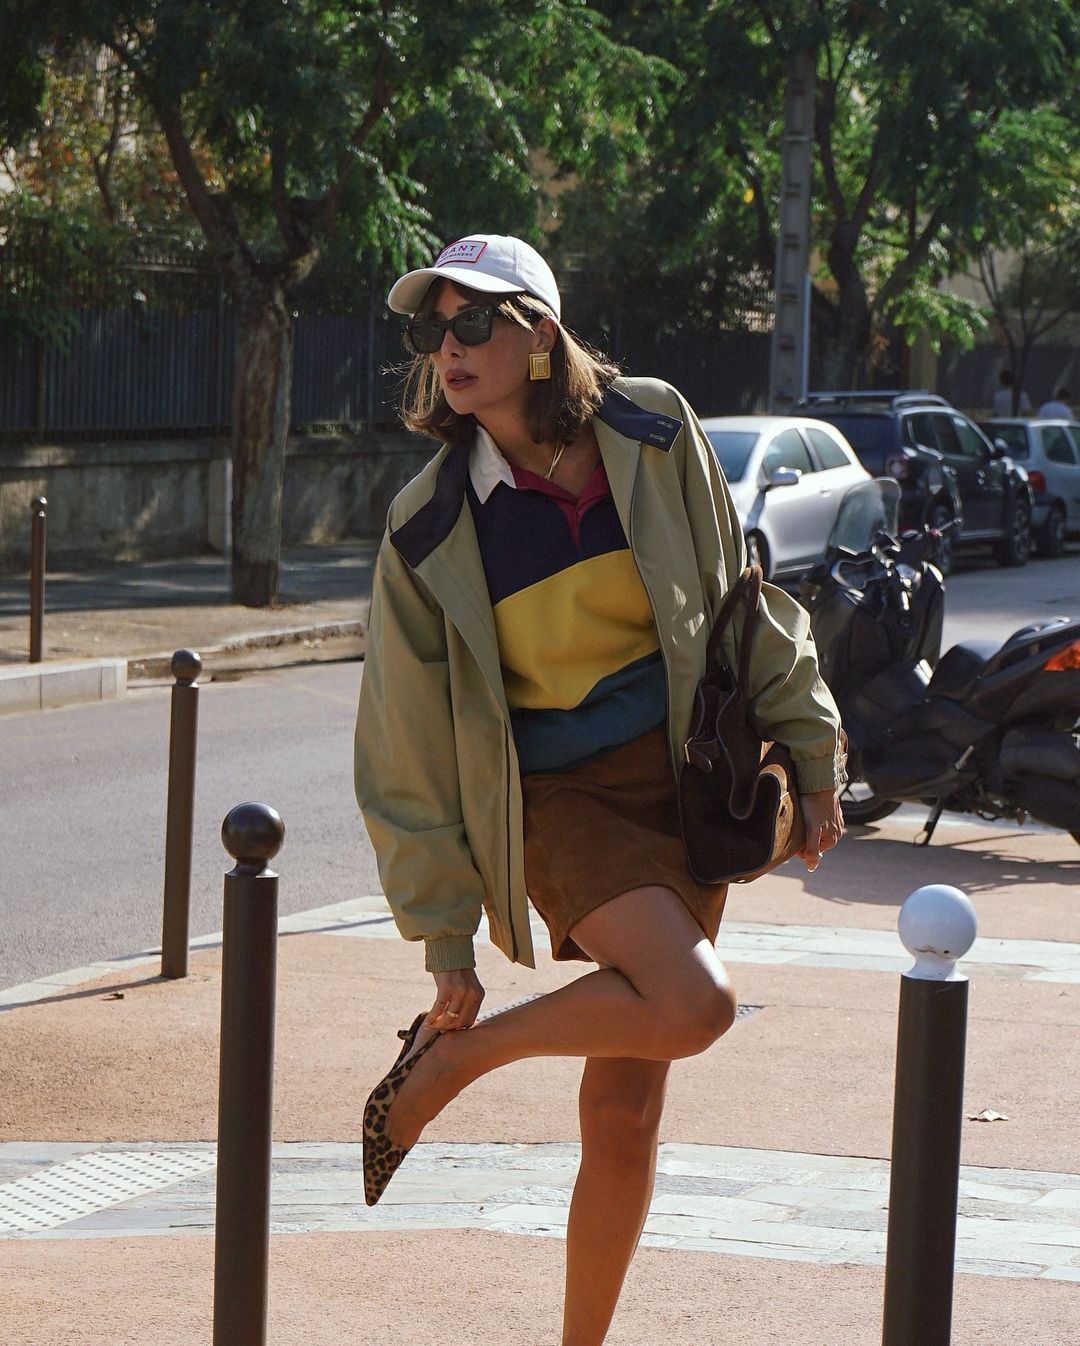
{"points": [[662, 994], [620, 1105]]}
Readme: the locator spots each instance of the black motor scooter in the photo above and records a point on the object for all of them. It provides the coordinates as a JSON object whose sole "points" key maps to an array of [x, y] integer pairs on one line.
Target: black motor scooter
{"points": [[988, 729]]}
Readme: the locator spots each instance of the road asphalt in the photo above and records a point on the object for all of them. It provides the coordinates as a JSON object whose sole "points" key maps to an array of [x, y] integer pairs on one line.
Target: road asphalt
{"points": [[768, 1221]]}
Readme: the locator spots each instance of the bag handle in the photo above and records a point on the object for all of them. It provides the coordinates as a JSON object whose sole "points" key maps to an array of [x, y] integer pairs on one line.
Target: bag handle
{"points": [[749, 585]]}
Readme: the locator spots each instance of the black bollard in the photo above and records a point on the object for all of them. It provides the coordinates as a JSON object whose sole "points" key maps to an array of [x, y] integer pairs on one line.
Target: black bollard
{"points": [[252, 834], [39, 508], [937, 925], [180, 813]]}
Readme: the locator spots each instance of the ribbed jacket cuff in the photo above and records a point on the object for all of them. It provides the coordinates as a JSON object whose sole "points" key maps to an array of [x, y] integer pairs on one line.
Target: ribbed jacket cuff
{"points": [[450, 954], [823, 773]]}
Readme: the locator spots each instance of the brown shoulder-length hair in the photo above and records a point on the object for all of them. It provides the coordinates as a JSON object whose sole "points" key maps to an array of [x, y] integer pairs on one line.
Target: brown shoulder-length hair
{"points": [[558, 407]]}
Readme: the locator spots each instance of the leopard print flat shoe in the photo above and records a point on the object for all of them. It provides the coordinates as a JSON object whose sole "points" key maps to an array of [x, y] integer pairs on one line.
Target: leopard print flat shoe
{"points": [[408, 1037], [382, 1158]]}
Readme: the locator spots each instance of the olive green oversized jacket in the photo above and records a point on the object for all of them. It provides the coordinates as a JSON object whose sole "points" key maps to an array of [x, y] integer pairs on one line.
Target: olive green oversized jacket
{"points": [[436, 772]]}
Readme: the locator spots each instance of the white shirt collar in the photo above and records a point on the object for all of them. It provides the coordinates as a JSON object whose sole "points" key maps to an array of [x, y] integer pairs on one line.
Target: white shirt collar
{"points": [[487, 466]]}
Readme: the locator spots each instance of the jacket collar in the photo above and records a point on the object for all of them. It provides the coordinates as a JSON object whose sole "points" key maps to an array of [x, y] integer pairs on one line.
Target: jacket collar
{"points": [[621, 428]]}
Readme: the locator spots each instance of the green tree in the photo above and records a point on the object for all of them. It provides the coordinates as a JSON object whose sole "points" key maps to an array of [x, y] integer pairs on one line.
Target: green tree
{"points": [[925, 126], [1030, 268], [928, 117], [96, 153], [294, 126]]}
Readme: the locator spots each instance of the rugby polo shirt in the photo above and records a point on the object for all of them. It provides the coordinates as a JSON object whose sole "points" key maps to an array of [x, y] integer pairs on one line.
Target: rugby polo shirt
{"points": [[577, 639]]}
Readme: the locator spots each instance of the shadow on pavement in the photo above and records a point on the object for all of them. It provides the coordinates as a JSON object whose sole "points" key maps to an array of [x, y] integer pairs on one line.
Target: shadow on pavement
{"points": [[998, 864]]}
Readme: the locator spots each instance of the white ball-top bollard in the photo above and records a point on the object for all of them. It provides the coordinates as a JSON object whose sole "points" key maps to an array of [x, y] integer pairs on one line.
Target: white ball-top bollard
{"points": [[937, 926]]}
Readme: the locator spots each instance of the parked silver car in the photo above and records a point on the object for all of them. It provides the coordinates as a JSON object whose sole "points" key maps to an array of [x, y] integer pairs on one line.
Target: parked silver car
{"points": [[1050, 450], [787, 475]]}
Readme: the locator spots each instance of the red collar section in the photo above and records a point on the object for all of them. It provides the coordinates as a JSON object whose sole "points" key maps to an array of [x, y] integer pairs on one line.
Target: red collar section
{"points": [[573, 507]]}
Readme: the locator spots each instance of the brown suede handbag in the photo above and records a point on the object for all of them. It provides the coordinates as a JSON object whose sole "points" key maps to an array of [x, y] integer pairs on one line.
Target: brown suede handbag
{"points": [[738, 805]]}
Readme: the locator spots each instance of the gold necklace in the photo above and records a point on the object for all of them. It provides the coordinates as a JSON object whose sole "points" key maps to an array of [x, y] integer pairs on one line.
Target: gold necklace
{"points": [[560, 449]]}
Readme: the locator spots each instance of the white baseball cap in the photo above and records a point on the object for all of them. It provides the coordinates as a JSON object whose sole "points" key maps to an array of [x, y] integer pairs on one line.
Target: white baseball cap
{"points": [[492, 263]]}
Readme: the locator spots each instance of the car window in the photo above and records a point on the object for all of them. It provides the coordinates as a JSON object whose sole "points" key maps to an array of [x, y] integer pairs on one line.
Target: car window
{"points": [[787, 450], [944, 435], [920, 430], [828, 451], [1073, 432], [732, 449], [1056, 445], [970, 441], [864, 433], [1014, 437]]}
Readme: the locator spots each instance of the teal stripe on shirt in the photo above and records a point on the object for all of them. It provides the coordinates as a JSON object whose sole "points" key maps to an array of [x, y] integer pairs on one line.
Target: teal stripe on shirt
{"points": [[620, 707]]}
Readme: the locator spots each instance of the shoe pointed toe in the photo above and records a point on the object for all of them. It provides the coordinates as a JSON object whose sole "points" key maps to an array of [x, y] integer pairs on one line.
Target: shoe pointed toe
{"points": [[382, 1158]]}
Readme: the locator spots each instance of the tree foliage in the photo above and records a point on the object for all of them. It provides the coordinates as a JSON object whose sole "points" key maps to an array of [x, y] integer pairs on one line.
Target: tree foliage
{"points": [[928, 117], [1029, 266], [294, 126], [645, 137], [928, 121]]}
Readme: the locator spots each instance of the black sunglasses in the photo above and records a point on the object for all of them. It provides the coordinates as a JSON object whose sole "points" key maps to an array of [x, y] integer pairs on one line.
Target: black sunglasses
{"points": [[472, 327]]}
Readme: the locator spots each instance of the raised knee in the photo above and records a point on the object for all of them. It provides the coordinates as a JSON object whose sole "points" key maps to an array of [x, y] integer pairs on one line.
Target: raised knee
{"points": [[698, 1018]]}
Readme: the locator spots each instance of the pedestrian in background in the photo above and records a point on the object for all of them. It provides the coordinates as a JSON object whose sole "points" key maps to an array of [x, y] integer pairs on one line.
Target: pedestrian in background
{"points": [[1058, 408], [1009, 400], [541, 606]]}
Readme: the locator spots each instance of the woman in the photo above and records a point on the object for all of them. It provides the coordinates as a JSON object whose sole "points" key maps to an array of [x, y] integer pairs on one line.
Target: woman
{"points": [[541, 607]]}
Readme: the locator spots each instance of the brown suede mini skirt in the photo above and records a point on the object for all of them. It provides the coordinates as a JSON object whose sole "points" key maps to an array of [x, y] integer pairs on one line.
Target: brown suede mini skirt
{"points": [[603, 828]]}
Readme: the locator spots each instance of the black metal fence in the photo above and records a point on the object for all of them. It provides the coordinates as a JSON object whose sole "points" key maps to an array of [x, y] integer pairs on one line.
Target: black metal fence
{"points": [[147, 350]]}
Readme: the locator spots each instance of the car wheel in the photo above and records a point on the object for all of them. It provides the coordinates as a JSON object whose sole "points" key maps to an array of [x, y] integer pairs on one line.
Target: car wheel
{"points": [[861, 805], [757, 552], [1015, 547], [940, 515], [1052, 533]]}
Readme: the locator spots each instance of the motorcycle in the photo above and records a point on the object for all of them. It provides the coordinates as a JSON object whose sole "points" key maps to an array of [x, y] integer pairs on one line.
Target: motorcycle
{"points": [[985, 729]]}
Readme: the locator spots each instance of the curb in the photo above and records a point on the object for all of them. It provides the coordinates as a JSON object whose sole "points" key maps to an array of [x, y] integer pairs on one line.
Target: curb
{"points": [[44, 686], [160, 665]]}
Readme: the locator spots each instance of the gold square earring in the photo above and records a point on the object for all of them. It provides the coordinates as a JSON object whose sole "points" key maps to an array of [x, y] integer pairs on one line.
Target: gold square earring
{"points": [[539, 366]]}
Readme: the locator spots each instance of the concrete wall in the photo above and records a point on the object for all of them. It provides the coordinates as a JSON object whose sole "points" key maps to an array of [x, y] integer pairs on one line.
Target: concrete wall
{"points": [[129, 500]]}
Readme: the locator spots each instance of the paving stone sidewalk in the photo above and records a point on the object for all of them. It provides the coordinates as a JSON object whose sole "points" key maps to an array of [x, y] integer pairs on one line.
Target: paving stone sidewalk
{"points": [[744, 1202], [724, 1200]]}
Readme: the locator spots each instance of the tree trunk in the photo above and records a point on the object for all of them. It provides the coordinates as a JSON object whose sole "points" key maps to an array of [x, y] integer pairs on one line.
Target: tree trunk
{"points": [[848, 346], [262, 385]]}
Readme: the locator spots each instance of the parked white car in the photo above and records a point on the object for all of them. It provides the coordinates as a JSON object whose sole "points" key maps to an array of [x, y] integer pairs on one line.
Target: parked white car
{"points": [[1050, 450], [787, 475]]}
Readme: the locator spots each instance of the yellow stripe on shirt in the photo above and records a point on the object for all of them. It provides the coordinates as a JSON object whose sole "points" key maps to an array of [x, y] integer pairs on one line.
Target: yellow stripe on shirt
{"points": [[560, 637]]}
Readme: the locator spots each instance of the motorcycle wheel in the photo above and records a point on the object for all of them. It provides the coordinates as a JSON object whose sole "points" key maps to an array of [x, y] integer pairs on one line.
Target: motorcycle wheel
{"points": [[860, 805]]}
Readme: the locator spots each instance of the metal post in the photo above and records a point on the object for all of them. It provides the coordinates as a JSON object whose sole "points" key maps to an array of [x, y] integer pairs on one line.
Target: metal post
{"points": [[937, 925], [789, 352], [252, 834], [180, 812], [39, 508]]}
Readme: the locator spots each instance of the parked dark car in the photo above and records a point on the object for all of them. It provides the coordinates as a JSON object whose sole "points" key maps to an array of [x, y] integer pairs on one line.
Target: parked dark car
{"points": [[946, 467], [1050, 453]]}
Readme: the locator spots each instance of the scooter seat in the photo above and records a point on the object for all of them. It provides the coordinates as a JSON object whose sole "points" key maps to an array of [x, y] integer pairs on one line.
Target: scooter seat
{"points": [[959, 667]]}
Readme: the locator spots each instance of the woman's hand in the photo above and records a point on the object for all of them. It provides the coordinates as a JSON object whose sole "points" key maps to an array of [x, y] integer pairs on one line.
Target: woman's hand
{"points": [[824, 825], [458, 997]]}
